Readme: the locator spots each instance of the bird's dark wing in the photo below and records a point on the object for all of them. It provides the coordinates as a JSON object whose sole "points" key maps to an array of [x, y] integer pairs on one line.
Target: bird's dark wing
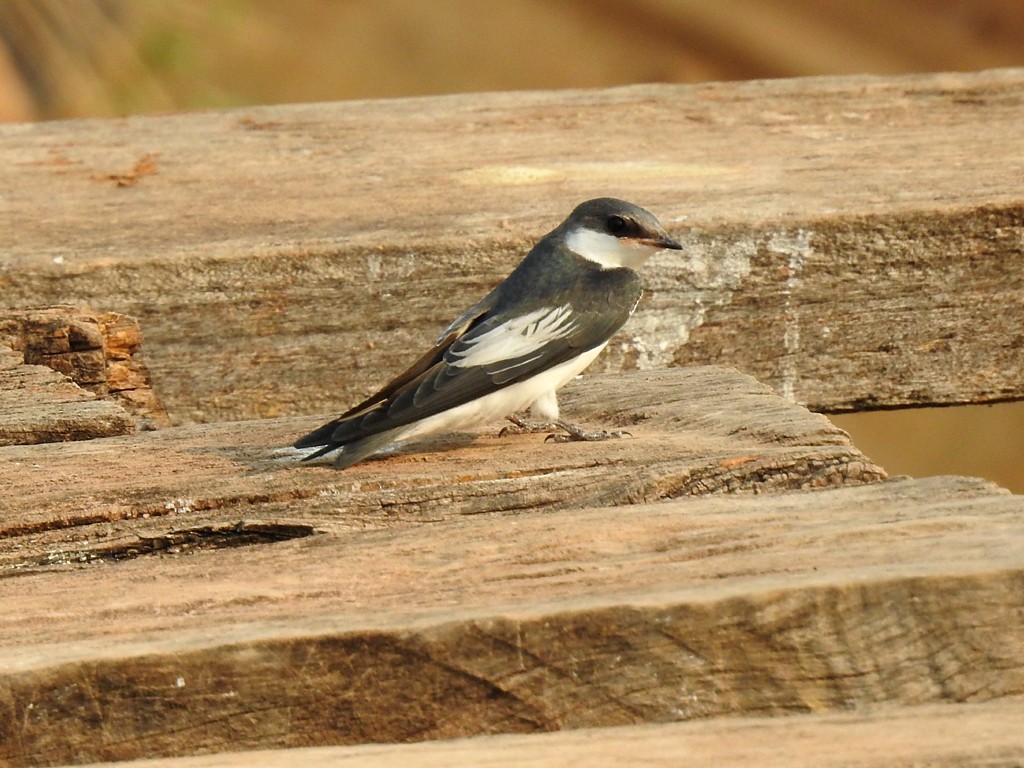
{"points": [[495, 351], [458, 328], [452, 334]]}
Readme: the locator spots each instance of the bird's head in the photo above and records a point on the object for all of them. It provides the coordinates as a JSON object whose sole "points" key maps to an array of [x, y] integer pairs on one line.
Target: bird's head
{"points": [[614, 233]]}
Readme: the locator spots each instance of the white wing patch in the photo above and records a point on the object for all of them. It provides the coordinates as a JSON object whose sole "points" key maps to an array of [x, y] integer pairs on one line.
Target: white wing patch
{"points": [[515, 340]]}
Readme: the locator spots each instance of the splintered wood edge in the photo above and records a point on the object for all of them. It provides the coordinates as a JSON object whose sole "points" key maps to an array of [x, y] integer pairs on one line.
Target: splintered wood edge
{"points": [[934, 734], [99, 386], [40, 405]]}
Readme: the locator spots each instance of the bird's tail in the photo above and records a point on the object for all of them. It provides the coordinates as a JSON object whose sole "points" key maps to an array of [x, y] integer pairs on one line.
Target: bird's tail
{"points": [[320, 436], [353, 453], [350, 452]]}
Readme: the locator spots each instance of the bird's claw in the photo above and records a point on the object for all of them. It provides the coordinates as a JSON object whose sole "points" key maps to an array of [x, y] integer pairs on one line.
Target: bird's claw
{"points": [[576, 434], [521, 426]]}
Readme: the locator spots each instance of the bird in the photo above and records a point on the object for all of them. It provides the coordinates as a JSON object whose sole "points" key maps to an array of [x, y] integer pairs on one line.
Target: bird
{"points": [[512, 350]]}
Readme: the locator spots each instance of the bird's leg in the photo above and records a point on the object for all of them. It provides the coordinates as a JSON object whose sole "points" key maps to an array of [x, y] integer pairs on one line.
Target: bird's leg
{"points": [[522, 425], [576, 434]]}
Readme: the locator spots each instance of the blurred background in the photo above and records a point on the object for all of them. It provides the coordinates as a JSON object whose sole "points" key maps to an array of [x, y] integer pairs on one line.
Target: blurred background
{"points": [[98, 58]]}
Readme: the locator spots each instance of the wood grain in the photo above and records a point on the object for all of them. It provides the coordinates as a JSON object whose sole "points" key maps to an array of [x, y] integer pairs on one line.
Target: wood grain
{"points": [[695, 431], [736, 563], [944, 735], [413, 629], [195, 593], [853, 242]]}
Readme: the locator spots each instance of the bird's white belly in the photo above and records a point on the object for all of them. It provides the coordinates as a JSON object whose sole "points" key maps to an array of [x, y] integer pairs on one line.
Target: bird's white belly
{"points": [[505, 402]]}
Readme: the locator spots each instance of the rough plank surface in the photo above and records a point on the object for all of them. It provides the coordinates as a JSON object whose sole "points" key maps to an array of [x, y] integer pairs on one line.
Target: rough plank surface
{"points": [[413, 629], [222, 601], [40, 405], [854, 242], [101, 386], [698, 430], [943, 736]]}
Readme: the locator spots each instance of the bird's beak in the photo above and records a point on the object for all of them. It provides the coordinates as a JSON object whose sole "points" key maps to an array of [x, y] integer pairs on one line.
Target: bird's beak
{"points": [[664, 242]]}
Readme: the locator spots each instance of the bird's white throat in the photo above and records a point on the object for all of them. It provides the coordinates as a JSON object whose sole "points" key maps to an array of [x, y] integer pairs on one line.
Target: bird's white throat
{"points": [[607, 250]]}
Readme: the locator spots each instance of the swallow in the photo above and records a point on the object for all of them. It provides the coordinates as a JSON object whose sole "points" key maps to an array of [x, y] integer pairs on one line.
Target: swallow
{"points": [[512, 350]]}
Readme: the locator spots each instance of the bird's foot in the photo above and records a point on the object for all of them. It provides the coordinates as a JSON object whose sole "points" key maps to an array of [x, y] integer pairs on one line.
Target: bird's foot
{"points": [[522, 426], [578, 434]]}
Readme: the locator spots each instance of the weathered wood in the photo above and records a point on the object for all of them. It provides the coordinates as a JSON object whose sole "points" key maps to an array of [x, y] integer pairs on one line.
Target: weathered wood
{"points": [[187, 590], [698, 430], [71, 374], [855, 242], [411, 629], [39, 405], [947, 735], [222, 600]]}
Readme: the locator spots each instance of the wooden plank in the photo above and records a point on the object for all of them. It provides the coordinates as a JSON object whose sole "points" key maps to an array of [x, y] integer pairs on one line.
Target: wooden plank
{"points": [[698, 430], [947, 735], [545, 620], [854, 242], [195, 594]]}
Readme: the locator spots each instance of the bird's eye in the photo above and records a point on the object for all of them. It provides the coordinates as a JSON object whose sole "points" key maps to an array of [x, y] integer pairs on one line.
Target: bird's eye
{"points": [[617, 225]]}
